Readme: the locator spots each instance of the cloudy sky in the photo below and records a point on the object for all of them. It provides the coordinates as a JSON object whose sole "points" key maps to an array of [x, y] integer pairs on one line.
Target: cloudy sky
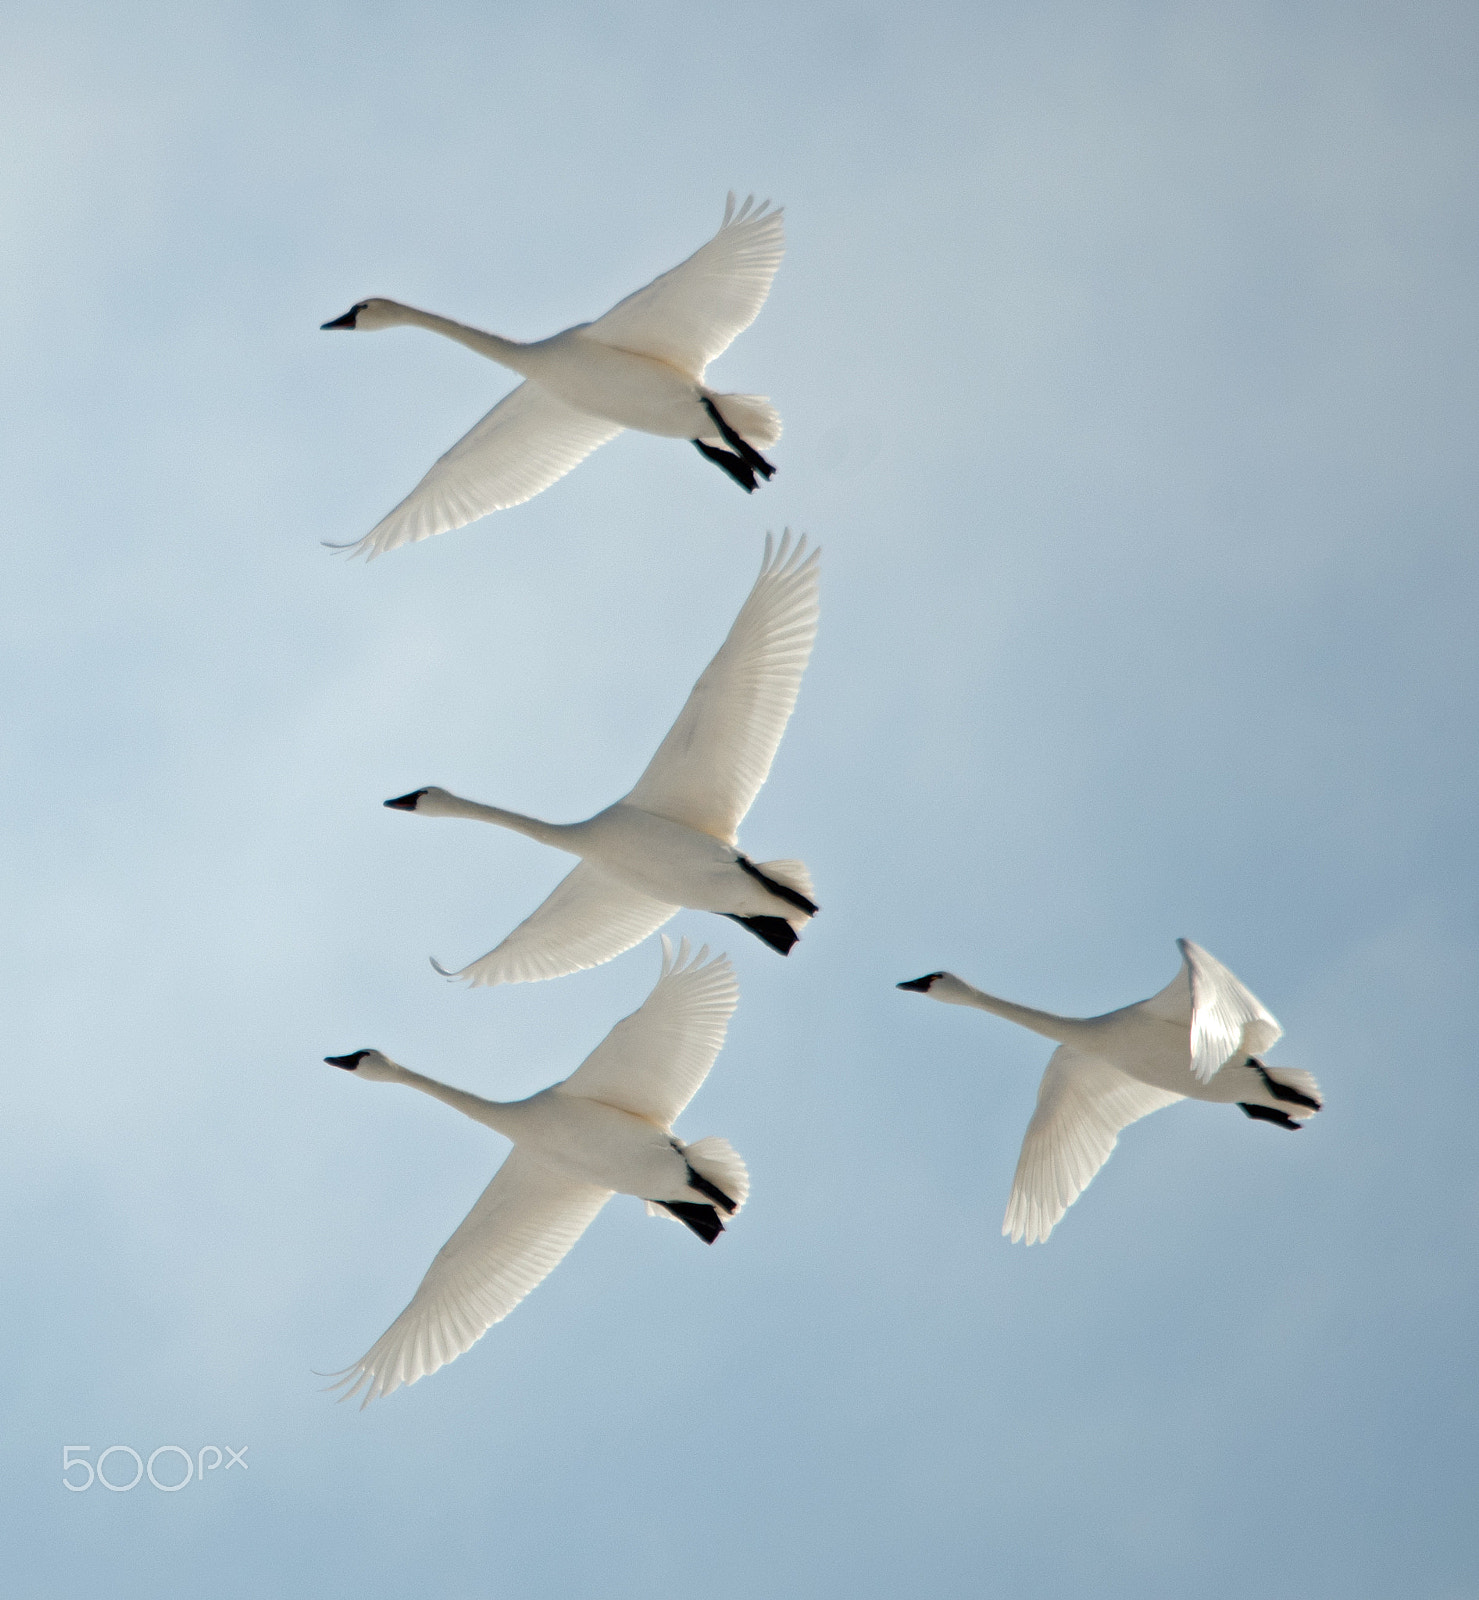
{"points": [[1127, 358]]}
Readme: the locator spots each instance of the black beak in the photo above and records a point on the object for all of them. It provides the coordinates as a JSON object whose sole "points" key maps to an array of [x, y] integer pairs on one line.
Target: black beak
{"points": [[406, 802], [346, 321], [349, 1062], [920, 985]]}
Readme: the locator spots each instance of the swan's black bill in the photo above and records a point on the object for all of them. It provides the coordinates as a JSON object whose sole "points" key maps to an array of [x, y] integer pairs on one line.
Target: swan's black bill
{"points": [[1282, 1091], [702, 1220], [744, 476], [696, 1180], [920, 985], [775, 931], [348, 320], [349, 1062], [1269, 1114], [406, 802], [782, 891]]}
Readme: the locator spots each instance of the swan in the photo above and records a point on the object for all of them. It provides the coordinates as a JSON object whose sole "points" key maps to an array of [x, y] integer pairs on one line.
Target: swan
{"points": [[671, 842], [604, 1130], [639, 366], [1199, 1038]]}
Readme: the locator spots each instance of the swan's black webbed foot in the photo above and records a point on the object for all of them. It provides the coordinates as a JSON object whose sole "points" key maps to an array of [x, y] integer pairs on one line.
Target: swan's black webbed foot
{"points": [[738, 443], [782, 891], [775, 931], [702, 1220], [1282, 1091], [742, 474], [1269, 1114], [696, 1180]]}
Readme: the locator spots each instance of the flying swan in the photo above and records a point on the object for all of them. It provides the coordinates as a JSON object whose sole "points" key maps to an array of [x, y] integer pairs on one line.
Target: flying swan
{"points": [[604, 1130], [1199, 1038], [671, 842], [640, 366]]}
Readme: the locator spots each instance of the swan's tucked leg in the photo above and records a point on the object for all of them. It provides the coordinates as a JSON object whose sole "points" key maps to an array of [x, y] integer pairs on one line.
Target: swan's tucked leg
{"points": [[1283, 1091], [737, 469], [782, 891], [775, 931], [696, 1180], [1269, 1114], [702, 1220], [738, 443]]}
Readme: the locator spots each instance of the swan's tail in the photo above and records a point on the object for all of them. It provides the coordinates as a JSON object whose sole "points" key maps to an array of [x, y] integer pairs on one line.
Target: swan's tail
{"points": [[751, 416], [719, 1163], [1289, 1095]]}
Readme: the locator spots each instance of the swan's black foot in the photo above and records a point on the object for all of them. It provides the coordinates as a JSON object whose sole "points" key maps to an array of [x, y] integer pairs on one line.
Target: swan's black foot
{"points": [[702, 1220], [696, 1180], [742, 474], [1282, 1091], [1268, 1114], [738, 443], [775, 931], [782, 891]]}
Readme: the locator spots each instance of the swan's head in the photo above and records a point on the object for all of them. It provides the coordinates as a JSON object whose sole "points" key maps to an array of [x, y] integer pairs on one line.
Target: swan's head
{"points": [[365, 316], [429, 802], [940, 986], [372, 1064]]}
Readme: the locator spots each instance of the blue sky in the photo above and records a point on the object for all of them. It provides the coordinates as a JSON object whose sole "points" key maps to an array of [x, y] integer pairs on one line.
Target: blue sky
{"points": [[1127, 360]]}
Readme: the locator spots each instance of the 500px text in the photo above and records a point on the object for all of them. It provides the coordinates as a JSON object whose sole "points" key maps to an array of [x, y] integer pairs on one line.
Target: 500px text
{"points": [[176, 1466]]}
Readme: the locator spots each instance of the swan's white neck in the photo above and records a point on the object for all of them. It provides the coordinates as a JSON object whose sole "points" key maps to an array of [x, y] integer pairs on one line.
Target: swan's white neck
{"points": [[956, 992], [439, 803], [500, 1115], [507, 352]]}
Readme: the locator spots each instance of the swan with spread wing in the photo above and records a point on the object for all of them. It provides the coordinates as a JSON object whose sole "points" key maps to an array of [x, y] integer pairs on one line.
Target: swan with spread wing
{"points": [[640, 366]]}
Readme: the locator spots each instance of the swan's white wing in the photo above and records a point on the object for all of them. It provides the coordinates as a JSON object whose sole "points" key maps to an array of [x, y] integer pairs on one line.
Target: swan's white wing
{"points": [[527, 441], [689, 315], [1082, 1103], [520, 1230], [588, 918], [709, 769], [652, 1062], [1224, 1018]]}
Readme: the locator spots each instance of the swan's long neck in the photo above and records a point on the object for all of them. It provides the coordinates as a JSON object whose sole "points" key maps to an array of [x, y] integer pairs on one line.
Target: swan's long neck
{"points": [[559, 834], [507, 352], [499, 1115], [954, 991]]}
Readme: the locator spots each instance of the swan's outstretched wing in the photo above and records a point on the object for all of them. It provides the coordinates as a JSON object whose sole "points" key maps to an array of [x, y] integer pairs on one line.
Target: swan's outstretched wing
{"points": [[589, 918], [1082, 1103], [689, 315], [1224, 1018], [519, 1231], [527, 441], [652, 1062], [709, 769]]}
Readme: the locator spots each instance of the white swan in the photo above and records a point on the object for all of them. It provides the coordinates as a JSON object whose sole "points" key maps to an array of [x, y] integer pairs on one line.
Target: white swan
{"points": [[640, 366], [671, 841], [606, 1129], [1199, 1038]]}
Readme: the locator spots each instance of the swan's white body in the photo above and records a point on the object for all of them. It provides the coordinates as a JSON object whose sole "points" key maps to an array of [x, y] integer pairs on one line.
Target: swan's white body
{"points": [[672, 841], [604, 1130], [640, 366], [1199, 1038]]}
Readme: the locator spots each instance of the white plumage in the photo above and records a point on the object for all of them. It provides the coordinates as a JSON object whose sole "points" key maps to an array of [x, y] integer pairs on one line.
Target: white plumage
{"points": [[639, 366], [605, 1129], [672, 841], [1199, 1038]]}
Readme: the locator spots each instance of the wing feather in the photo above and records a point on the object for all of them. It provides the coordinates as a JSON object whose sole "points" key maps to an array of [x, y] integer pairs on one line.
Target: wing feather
{"points": [[652, 1062], [708, 770], [527, 441], [520, 1230], [1082, 1103], [689, 315], [587, 919]]}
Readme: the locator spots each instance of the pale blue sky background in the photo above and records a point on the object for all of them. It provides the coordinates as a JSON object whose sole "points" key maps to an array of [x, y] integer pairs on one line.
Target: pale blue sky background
{"points": [[1127, 358]]}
